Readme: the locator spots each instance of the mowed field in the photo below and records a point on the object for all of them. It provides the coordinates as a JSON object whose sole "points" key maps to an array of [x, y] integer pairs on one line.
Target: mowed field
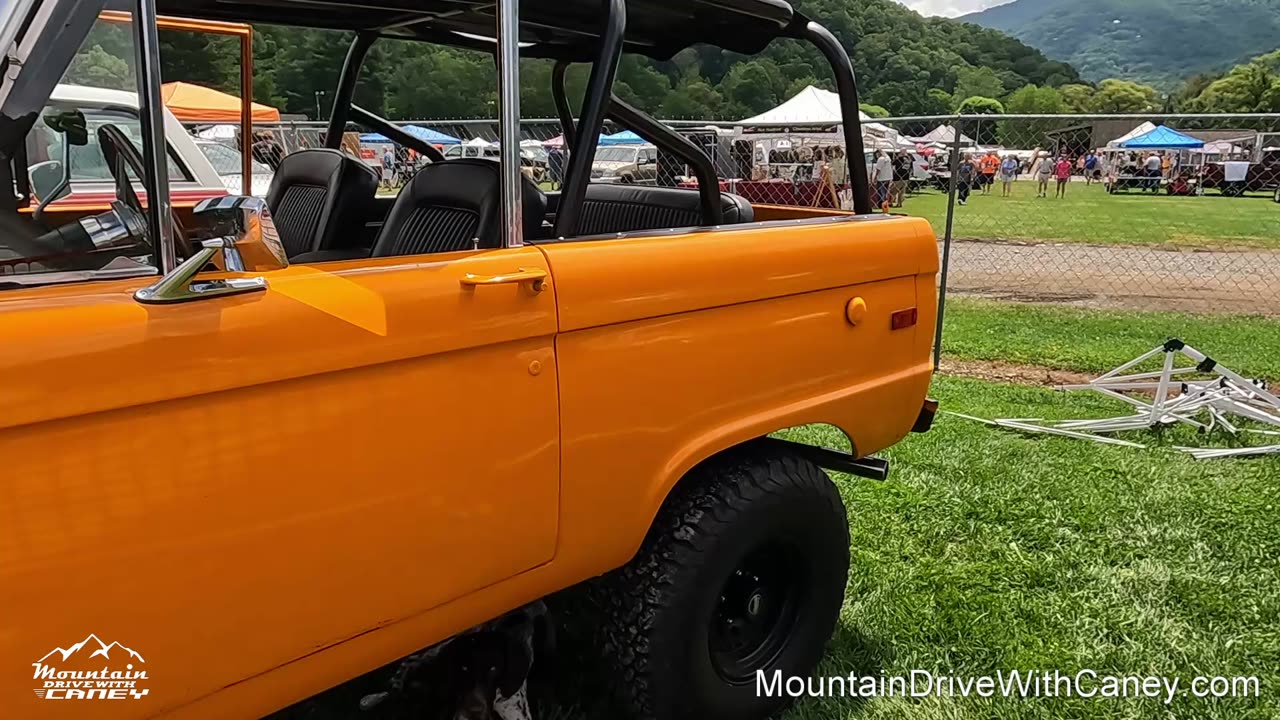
{"points": [[1089, 215], [991, 551]]}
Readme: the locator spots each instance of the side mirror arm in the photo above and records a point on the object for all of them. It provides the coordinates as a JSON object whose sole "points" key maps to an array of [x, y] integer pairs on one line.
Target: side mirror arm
{"points": [[181, 284], [248, 243]]}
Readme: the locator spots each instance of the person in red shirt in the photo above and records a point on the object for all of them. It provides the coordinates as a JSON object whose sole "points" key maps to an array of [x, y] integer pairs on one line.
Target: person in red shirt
{"points": [[1062, 171]]}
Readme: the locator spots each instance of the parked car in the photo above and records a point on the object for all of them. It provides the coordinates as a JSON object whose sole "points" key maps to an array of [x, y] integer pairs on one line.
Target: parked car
{"points": [[626, 164], [192, 177], [253, 458], [1262, 176], [227, 161], [533, 161]]}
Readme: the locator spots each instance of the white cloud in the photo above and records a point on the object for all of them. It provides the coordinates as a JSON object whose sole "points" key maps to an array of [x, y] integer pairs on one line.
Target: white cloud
{"points": [[950, 8]]}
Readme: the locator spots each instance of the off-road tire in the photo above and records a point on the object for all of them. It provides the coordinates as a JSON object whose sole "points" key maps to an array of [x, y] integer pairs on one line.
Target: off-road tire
{"points": [[662, 611]]}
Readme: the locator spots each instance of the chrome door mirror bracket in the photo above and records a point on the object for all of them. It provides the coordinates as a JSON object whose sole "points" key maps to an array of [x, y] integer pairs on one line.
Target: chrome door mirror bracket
{"points": [[247, 242], [181, 285]]}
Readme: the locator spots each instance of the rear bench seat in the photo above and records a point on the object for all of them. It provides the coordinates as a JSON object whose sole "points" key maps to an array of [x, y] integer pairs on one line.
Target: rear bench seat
{"points": [[628, 208]]}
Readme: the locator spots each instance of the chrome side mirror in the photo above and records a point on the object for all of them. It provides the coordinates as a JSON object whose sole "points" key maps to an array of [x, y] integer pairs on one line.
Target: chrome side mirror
{"points": [[245, 241], [254, 245]]}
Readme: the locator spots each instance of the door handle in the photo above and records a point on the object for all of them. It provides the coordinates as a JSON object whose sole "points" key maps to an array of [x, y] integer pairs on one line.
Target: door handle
{"points": [[533, 276]]}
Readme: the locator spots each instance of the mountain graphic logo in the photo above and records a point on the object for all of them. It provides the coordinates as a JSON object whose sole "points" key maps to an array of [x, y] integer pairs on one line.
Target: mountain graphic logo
{"points": [[95, 648]]}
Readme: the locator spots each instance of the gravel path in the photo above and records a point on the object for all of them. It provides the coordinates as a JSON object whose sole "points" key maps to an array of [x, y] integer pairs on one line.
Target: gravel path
{"points": [[1213, 281]]}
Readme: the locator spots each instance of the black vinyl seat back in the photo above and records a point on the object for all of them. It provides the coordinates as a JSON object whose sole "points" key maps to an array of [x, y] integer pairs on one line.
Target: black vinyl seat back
{"points": [[318, 199], [454, 205], [613, 208]]}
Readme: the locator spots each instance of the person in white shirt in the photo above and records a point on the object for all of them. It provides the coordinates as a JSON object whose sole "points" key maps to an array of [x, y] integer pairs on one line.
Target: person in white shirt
{"points": [[883, 172], [1153, 172]]}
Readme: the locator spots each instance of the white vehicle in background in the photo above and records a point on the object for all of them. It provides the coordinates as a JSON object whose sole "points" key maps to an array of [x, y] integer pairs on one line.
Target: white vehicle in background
{"points": [[226, 161], [192, 177]]}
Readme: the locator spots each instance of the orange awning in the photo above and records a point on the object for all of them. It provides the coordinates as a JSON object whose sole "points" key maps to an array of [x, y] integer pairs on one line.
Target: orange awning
{"points": [[196, 103]]}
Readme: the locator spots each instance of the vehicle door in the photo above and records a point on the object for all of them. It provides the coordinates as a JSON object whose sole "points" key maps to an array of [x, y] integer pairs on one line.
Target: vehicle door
{"points": [[647, 168], [232, 482]]}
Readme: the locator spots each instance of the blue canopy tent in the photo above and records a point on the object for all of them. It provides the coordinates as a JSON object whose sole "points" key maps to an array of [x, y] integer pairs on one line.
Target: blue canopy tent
{"points": [[425, 134], [626, 137], [1162, 138]]}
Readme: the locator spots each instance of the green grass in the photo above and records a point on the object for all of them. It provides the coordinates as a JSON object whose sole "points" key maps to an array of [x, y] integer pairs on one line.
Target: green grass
{"points": [[1094, 341], [988, 550], [1090, 215]]}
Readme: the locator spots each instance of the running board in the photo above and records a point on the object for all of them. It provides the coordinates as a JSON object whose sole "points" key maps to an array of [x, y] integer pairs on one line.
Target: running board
{"points": [[869, 467]]}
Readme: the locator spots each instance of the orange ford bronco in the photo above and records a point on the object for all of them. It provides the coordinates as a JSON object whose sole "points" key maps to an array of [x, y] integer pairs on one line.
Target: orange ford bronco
{"points": [[268, 447]]}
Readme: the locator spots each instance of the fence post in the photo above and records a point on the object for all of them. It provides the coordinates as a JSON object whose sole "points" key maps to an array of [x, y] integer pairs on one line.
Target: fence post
{"points": [[954, 163]]}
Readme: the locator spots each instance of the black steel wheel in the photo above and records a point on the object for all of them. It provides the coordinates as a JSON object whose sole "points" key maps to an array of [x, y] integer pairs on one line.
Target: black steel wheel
{"points": [[743, 573], [757, 612]]}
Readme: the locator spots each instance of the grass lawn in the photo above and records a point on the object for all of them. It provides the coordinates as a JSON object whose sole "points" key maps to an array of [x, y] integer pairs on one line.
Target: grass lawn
{"points": [[1095, 341], [989, 551], [1090, 215]]}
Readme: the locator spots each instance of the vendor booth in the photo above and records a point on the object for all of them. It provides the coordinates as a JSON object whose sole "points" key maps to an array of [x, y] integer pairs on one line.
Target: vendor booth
{"points": [[798, 154], [1127, 171], [192, 103]]}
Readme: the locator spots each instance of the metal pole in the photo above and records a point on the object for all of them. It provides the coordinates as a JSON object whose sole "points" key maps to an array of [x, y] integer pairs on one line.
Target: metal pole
{"points": [[946, 240], [246, 113], [509, 121], [151, 121]]}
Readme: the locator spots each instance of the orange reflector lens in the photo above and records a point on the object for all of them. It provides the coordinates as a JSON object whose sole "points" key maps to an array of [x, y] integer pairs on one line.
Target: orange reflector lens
{"points": [[903, 319]]}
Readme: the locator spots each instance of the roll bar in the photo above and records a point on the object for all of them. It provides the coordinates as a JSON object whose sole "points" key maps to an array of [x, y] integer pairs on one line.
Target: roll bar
{"points": [[591, 119], [567, 131], [847, 85], [346, 90], [680, 146], [363, 117], [598, 104]]}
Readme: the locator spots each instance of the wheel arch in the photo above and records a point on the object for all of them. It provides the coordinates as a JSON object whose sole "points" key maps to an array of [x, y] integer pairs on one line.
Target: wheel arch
{"points": [[680, 471]]}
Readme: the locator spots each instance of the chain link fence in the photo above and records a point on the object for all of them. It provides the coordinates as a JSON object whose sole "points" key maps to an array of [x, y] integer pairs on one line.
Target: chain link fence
{"points": [[1168, 212], [1172, 212]]}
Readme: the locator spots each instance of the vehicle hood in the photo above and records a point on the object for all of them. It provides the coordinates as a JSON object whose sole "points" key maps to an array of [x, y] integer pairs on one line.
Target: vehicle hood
{"points": [[609, 166]]}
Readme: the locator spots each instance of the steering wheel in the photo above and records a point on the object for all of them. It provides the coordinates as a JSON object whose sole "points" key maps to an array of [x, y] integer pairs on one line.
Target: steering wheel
{"points": [[122, 156]]}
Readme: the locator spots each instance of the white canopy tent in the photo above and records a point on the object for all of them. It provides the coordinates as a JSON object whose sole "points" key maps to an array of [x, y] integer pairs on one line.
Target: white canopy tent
{"points": [[814, 106], [944, 136]]}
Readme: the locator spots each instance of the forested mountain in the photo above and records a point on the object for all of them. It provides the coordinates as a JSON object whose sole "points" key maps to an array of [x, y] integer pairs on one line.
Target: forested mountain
{"points": [[1155, 41], [906, 64]]}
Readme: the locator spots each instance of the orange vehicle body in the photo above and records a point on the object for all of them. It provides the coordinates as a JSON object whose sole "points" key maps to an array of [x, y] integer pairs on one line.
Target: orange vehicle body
{"points": [[266, 495]]}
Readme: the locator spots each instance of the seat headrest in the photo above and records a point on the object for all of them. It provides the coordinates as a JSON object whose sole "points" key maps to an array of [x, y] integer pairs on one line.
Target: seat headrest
{"points": [[320, 166], [470, 187], [317, 196]]}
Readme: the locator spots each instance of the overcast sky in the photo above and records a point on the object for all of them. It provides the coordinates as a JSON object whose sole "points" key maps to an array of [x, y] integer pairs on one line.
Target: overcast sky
{"points": [[950, 8]]}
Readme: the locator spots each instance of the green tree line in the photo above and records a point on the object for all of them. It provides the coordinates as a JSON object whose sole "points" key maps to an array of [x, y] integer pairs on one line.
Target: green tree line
{"points": [[906, 64]]}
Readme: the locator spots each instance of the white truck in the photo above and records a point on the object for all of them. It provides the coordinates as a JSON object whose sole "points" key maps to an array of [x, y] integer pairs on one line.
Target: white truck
{"points": [[195, 172]]}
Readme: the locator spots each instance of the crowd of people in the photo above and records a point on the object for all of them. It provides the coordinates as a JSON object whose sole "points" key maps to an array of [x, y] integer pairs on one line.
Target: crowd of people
{"points": [[980, 172]]}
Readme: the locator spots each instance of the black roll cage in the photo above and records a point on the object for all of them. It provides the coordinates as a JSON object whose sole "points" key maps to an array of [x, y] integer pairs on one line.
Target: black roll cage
{"points": [[599, 103]]}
